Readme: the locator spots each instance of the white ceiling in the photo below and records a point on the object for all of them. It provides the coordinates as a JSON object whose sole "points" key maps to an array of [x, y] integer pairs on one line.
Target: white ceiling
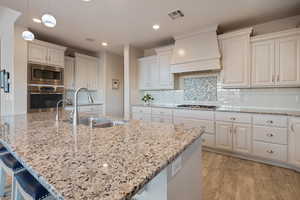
{"points": [[120, 22]]}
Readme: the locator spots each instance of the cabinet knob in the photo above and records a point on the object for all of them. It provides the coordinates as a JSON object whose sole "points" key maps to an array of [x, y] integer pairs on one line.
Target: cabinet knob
{"points": [[232, 118], [270, 151], [270, 135], [270, 121]]}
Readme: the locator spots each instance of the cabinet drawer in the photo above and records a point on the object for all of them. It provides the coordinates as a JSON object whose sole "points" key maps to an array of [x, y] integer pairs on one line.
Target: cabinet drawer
{"points": [[141, 116], [233, 117], [161, 119], [162, 111], [195, 123], [270, 120], [208, 140], [271, 151], [195, 114], [270, 134], [141, 110]]}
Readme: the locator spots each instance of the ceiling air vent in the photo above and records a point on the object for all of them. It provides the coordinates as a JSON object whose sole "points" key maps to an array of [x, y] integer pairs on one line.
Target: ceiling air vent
{"points": [[175, 14]]}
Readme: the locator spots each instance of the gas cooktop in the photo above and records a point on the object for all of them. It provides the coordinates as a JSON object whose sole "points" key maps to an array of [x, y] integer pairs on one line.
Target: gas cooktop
{"points": [[196, 106]]}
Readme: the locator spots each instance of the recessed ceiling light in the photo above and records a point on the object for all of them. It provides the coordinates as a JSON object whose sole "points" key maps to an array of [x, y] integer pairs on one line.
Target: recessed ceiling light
{"points": [[36, 20], [104, 44], [155, 26], [49, 20], [86, 0]]}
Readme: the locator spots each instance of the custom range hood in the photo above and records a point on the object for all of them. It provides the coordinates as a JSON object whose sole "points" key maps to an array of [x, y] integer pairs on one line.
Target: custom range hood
{"points": [[197, 51]]}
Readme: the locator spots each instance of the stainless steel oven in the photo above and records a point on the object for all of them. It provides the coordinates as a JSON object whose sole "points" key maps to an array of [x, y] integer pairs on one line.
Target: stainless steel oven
{"points": [[44, 98], [41, 74]]}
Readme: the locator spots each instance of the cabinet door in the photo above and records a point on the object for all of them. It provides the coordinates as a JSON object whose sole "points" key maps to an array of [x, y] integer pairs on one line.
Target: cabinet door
{"points": [[242, 138], [235, 60], [56, 57], [166, 78], [144, 75], [224, 135], [81, 75], [37, 53], [294, 138], [69, 73], [287, 61], [93, 74], [263, 63]]}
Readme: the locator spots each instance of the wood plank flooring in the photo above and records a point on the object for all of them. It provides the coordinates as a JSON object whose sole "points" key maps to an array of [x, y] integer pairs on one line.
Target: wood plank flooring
{"points": [[228, 178]]}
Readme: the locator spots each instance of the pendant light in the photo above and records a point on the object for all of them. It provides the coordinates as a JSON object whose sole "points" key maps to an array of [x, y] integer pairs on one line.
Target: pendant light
{"points": [[28, 35], [48, 19]]}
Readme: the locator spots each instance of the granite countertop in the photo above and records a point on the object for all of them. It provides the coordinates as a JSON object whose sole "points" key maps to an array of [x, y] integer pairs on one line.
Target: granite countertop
{"points": [[231, 109], [85, 163]]}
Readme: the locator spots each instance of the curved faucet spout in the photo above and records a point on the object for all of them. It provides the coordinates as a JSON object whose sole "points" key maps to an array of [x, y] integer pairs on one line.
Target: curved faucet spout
{"points": [[75, 109]]}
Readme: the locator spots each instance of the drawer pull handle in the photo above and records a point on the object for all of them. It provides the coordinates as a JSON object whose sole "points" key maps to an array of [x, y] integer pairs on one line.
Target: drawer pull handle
{"points": [[232, 118], [270, 121], [270, 151], [270, 135]]}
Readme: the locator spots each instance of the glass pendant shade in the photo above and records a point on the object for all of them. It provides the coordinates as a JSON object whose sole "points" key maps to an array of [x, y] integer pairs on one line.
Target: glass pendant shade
{"points": [[49, 20], [28, 36]]}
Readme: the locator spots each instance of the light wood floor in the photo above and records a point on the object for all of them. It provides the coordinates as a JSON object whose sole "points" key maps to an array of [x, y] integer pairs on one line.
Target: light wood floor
{"points": [[228, 178]]}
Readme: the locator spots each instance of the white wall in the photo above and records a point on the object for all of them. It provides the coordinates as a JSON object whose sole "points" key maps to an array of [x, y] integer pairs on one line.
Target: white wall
{"points": [[20, 73], [7, 36], [114, 98]]}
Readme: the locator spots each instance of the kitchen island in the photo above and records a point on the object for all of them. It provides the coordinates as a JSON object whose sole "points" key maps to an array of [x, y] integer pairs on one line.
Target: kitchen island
{"points": [[108, 164]]}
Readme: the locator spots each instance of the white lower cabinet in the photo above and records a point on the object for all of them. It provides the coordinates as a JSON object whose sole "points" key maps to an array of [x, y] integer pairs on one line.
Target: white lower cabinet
{"points": [[294, 139], [270, 151], [224, 135], [242, 138], [208, 140]]}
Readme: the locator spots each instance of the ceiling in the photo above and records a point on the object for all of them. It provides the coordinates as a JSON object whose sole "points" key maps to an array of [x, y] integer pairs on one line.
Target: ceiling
{"points": [[120, 22]]}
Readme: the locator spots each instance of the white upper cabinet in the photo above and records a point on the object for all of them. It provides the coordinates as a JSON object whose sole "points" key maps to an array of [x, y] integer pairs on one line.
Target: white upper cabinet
{"points": [[146, 72], [69, 73], [235, 50], [263, 63], [56, 57], [276, 59], [37, 53], [287, 61], [86, 72], [166, 78], [46, 53], [155, 71], [294, 138]]}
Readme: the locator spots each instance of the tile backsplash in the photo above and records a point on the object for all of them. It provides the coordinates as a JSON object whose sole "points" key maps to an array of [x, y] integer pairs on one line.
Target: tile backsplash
{"points": [[200, 88], [208, 90]]}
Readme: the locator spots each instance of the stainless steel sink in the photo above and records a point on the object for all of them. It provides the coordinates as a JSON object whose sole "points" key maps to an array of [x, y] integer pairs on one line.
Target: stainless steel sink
{"points": [[96, 122]]}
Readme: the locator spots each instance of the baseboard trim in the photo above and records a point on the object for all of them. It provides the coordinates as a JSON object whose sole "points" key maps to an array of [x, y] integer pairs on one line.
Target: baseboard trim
{"points": [[252, 158]]}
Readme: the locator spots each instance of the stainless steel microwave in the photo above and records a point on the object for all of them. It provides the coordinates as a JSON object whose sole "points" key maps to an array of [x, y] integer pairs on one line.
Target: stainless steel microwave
{"points": [[41, 74]]}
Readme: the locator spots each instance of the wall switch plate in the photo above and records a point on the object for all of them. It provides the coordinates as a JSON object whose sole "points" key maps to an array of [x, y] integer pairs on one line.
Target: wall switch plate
{"points": [[176, 165]]}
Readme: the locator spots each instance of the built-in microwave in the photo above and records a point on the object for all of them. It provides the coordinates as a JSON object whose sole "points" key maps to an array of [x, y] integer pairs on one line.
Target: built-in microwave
{"points": [[41, 74]]}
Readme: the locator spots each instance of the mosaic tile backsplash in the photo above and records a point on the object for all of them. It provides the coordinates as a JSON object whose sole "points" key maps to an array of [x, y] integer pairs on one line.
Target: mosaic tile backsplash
{"points": [[200, 88]]}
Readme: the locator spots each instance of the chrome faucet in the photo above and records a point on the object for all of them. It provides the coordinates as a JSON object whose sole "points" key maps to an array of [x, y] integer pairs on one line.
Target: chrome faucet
{"points": [[68, 101], [75, 109]]}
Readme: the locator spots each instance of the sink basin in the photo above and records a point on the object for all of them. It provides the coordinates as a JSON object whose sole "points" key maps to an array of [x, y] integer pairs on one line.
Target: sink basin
{"points": [[95, 122]]}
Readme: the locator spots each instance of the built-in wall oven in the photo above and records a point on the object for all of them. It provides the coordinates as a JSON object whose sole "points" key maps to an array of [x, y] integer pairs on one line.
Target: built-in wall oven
{"points": [[42, 74], [44, 98]]}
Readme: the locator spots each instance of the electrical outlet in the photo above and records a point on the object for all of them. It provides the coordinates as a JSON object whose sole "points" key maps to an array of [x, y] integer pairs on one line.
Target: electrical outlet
{"points": [[176, 165]]}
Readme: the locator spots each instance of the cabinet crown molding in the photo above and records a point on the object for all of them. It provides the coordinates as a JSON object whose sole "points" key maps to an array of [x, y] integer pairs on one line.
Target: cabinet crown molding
{"points": [[164, 49], [245, 31], [47, 44], [195, 33], [285, 33], [79, 55]]}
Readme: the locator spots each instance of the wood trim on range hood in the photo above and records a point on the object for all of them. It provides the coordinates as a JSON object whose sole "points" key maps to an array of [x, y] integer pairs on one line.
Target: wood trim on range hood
{"points": [[197, 51]]}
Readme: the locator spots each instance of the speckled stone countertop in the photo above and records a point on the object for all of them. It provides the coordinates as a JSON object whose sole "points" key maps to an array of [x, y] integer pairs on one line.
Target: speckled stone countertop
{"points": [[89, 164], [232, 109]]}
